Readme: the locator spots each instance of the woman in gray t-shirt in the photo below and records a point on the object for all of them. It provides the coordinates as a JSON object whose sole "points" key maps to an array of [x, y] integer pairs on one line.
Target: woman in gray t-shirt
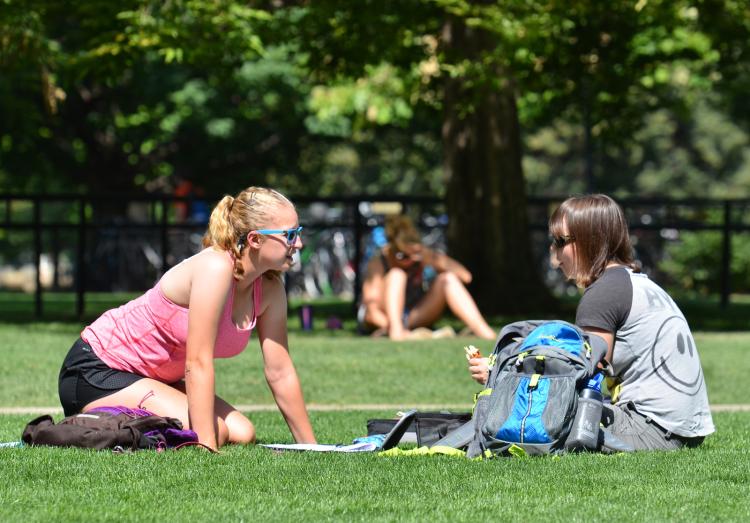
{"points": [[659, 398]]}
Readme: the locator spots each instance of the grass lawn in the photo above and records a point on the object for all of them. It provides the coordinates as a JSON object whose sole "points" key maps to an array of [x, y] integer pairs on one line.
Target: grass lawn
{"points": [[338, 370], [252, 483]]}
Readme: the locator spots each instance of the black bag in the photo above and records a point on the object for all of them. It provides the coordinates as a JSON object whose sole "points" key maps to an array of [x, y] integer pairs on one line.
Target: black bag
{"points": [[426, 429]]}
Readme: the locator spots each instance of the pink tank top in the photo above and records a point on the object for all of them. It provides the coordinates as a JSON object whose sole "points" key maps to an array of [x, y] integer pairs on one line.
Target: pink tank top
{"points": [[148, 335]]}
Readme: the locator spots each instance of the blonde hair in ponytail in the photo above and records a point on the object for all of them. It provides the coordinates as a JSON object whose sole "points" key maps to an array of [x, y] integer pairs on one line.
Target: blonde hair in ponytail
{"points": [[234, 217]]}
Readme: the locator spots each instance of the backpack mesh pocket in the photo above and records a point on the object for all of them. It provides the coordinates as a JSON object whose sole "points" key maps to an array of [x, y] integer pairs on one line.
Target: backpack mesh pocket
{"points": [[527, 410]]}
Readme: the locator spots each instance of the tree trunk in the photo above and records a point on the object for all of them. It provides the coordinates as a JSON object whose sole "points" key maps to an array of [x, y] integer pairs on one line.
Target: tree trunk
{"points": [[485, 193]]}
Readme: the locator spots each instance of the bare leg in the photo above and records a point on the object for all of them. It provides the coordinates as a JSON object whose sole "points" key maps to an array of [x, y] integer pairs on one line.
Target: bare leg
{"points": [[241, 429], [429, 309], [395, 296], [376, 319], [448, 289], [164, 400], [375, 316]]}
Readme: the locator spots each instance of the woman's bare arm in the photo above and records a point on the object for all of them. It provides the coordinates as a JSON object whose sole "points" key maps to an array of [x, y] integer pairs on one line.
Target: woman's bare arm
{"points": [[444, 263], [280, 372], [211, 282]]}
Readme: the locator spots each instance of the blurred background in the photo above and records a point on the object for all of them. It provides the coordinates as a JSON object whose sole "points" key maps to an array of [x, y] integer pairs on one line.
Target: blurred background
{"points": [[122, 123]]}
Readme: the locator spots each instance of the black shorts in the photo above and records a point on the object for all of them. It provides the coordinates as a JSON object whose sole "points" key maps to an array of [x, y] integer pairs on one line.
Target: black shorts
{"points": [[85, 378]]}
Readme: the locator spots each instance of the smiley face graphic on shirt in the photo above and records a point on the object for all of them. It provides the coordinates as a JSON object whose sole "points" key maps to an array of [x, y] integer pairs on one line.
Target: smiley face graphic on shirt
{"points": [[678, 365]]}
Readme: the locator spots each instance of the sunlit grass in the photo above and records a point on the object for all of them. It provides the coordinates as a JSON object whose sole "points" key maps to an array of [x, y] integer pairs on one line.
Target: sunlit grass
{"points": [[252, 483]]}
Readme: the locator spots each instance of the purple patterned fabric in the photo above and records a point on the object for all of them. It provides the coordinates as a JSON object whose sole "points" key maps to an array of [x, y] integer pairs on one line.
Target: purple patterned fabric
{"points": [[175, 437], [133, 413], [171, 437]]}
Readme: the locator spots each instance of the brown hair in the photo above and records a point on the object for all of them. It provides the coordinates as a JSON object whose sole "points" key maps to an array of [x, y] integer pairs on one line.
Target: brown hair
{"points": [[400, 232], [234, 217], [600, 230]]}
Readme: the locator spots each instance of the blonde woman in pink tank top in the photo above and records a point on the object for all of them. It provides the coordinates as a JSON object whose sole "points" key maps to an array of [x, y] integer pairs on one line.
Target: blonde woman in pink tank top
{"points": [[157, 352]]}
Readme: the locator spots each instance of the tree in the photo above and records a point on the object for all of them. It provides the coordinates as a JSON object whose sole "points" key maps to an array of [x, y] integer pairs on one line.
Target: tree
{"points": [[485, 193], [127, 95], [131, 93], [602, 66], [484, 187]]}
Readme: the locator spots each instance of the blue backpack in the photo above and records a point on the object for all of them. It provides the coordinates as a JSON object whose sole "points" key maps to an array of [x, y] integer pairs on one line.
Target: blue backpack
{"points": [[537, 371]]}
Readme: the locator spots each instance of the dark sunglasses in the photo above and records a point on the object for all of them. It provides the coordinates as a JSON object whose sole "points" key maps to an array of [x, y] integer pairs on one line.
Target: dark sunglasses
{"points": [[558, 242], [401, 256]]}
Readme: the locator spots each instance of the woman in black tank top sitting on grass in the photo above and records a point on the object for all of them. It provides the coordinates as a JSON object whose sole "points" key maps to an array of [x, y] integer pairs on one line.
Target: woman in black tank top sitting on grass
{"points": [[397, 297]]}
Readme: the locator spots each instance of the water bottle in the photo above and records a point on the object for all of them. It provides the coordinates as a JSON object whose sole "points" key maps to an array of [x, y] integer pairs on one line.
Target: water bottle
{"points": [[584, 434], [306, 317]]}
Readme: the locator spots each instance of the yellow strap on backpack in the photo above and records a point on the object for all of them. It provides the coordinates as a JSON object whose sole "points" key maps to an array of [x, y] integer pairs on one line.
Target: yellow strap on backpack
{"points": [[588, 348], [423, 451], [484, 392], [517, 452], [614, 387]]}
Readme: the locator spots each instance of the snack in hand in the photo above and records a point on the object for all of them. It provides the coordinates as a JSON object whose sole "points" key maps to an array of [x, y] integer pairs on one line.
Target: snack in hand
{"points": [[472, 352]]}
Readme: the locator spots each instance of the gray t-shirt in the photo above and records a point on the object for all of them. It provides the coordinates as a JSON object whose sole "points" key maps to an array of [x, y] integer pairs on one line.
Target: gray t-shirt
{"points": [[654, 355]]}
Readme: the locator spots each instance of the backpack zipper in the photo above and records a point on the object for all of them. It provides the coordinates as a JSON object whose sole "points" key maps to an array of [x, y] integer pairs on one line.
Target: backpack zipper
{"points": [[532, 385]]}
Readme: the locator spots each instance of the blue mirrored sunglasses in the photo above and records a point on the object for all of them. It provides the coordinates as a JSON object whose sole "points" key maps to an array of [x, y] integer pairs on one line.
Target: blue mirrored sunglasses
{"points": [[291, 234]]}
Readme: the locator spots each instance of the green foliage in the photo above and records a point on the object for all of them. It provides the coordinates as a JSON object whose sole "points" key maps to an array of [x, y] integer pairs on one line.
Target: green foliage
{"points": [[695, 261], [702, 152], [179, 30], [379, 98], [336, 96], [727, 23]]}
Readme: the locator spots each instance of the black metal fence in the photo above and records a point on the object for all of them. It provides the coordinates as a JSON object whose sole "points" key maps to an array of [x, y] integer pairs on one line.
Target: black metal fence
{"points": [[104, 243]]}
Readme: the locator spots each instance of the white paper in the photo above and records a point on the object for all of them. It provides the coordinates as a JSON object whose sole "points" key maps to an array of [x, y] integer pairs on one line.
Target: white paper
{"points": [[317, 447]]}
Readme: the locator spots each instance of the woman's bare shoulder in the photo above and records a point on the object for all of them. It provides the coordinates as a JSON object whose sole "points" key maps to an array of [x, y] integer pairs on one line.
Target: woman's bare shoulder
{"points": [[213, 260], [209, 262], [208, 265]]}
